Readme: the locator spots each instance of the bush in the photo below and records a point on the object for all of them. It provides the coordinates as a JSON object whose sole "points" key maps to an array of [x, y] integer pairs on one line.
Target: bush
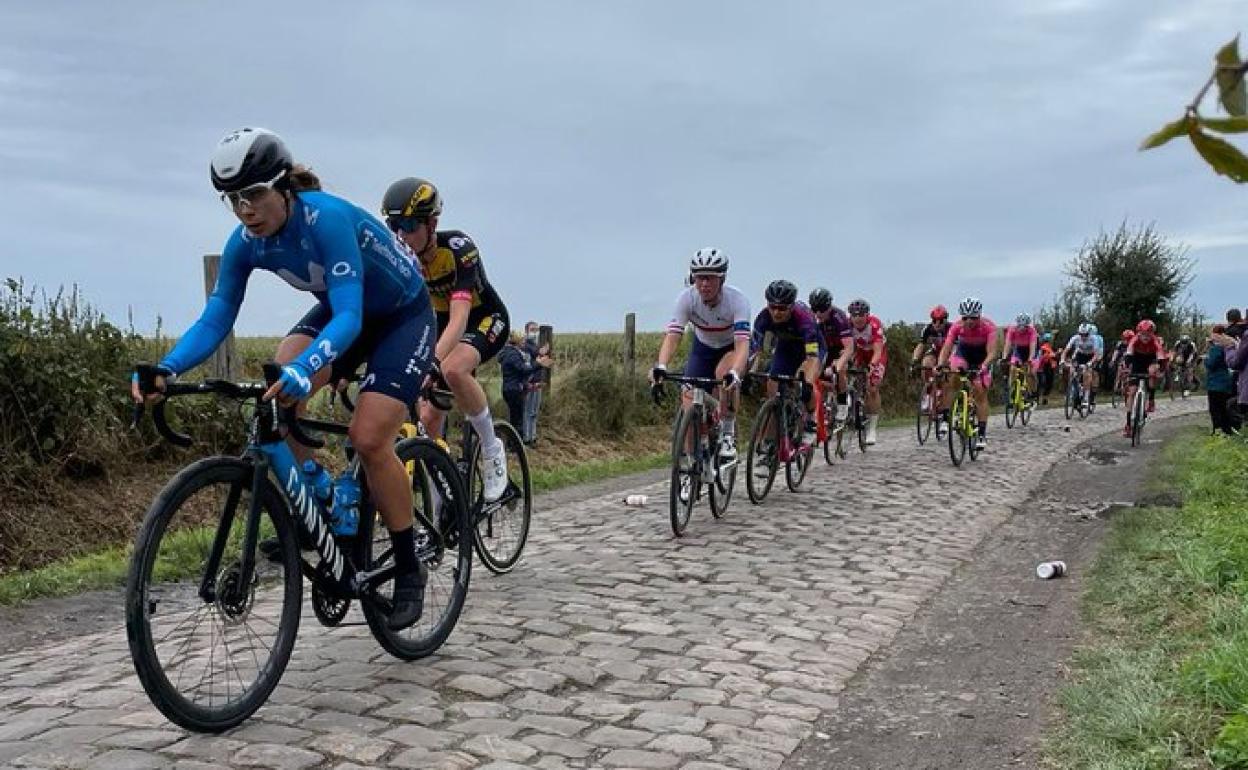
{"points": [[62, 400], [602, 401]]}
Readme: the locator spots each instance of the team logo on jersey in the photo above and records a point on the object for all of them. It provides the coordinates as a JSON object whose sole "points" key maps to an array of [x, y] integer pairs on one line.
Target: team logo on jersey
{"points": [[457, 242]]}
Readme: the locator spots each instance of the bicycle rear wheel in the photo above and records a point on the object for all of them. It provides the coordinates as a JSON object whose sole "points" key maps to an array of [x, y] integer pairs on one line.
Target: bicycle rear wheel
{"points": [[956, 435], [443, 533], [501, 529], [686, 480], [762, 456], [208, 649]]}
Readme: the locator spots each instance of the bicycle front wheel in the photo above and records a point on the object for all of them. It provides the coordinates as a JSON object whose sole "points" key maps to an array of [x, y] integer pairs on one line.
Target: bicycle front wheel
{"points": [[209, 645], [956, 433], [1013, 398], [721, 487], [923, 417], [686, 481], [859, 417], [501, 529], [799, 459], [443, 534], [763, 455]]}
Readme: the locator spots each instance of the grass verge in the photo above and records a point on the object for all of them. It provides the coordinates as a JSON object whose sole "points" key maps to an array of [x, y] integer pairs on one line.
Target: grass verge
{"points": [[1162, 678], [554, 466]]}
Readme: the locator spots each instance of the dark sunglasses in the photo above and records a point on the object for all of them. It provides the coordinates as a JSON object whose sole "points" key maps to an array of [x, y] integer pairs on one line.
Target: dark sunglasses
{"points": [[778, 308], [399, 224]]}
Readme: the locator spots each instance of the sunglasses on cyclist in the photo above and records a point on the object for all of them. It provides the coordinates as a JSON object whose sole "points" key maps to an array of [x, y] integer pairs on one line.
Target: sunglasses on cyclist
{"points": [[778, 308], [249, 195], [398, 224]]}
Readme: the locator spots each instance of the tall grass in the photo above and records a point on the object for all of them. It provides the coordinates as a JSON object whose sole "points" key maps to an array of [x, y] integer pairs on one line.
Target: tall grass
{"points": [[1163, 681]]}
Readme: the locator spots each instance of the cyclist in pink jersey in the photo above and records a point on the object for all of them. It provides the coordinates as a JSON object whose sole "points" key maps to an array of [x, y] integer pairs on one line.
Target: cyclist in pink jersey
{"points": [[1021, 342], [971, 344]]}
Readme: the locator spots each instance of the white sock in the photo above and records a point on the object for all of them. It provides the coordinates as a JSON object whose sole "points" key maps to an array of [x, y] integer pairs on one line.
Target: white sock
{"points": [[484, 426]]}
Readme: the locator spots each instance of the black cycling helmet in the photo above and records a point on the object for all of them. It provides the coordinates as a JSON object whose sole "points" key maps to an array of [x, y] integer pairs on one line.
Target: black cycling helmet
{"points": [[820, 300], [411, 198], [249, 156], [859, 307], [781, 293]]}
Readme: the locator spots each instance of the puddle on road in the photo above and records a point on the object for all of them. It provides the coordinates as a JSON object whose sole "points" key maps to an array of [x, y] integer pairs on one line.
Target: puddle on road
{"points": [[1103, 456]]}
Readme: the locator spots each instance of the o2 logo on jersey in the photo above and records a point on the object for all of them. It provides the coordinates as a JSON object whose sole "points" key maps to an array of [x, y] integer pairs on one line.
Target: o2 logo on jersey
{"points": [[340, 269]]}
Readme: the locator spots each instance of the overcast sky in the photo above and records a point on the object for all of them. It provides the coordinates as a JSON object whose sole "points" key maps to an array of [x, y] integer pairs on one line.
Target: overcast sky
{"points": [[908, 153]]}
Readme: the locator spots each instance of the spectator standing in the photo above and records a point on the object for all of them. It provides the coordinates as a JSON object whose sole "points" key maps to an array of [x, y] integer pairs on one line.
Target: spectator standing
{"points": [[1218, 382], [533, 396], [518, 368], [1235, 330]]}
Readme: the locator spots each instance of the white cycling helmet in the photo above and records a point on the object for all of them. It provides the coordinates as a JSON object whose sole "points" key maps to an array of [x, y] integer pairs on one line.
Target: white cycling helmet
{"points": [[1022, 319], [709, 261], [1085, 328], [247, 157], [971, 306]]}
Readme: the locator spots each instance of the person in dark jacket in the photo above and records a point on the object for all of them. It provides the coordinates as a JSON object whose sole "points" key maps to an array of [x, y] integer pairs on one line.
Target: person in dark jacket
{"points": [[518, 368], [533, 398], [1218, 383]]}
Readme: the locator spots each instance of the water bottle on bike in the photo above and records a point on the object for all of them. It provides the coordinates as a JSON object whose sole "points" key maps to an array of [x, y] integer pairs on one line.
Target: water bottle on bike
{"points": [[344, 516]]}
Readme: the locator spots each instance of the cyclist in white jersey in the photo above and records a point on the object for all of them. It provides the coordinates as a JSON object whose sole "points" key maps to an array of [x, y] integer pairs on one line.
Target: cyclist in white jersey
{"points": [[720, 315]]}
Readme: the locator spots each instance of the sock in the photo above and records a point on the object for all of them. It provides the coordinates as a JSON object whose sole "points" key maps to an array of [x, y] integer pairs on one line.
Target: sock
{"points": [[842, 398], [484, 426], [728, 426], [983, 429], [404, 542]]}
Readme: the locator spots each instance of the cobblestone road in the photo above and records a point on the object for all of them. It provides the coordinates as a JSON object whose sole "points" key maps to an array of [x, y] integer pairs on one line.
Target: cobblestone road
{"points": [[612, 645]]}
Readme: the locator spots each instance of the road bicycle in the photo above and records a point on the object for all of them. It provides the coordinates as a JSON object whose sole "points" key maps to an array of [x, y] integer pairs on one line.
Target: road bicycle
{"points": [[500, 529], [696, 457], [1137, 407], [1019, 403], [963, 419], [928, 413], [1076, 395], [211, 621], [776, 439]]}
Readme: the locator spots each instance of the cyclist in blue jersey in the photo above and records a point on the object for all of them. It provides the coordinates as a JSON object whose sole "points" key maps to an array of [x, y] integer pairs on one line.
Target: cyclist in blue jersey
{"points": [[372, 307], [798, 344]]}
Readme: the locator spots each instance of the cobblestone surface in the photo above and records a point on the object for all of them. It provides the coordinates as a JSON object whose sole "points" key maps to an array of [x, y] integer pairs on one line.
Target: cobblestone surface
{"points": [[611, 645]]}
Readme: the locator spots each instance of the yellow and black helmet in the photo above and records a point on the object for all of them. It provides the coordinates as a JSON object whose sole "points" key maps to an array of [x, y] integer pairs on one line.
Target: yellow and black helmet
{"points": [[411, 198]]}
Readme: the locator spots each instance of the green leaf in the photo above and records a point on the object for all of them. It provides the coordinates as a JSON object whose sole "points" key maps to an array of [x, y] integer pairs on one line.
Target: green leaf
{"points": [[1231, 89], [1224, 157], [1167, 132], [1237, 124]]}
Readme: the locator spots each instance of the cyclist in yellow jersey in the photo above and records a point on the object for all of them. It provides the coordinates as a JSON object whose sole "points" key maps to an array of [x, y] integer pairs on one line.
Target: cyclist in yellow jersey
{"points": [[473, 324]]}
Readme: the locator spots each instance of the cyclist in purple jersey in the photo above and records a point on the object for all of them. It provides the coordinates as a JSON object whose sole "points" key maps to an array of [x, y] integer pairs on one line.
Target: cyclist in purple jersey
{"points": [[798, 344], [834, 326]]}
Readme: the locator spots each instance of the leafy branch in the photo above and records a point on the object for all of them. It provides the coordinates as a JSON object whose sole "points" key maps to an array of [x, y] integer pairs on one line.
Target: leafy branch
{"points": [[1222, 156]]}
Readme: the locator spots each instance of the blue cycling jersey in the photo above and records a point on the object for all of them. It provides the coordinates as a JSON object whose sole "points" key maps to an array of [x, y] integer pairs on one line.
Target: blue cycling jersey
{"points": [[328, 246]]}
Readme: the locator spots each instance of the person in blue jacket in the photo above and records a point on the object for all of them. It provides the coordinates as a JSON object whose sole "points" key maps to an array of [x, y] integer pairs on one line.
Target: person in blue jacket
{"points": [[372, 307]]}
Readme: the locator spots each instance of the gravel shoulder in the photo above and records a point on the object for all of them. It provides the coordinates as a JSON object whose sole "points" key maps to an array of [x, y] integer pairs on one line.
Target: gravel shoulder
{"points": [[970, 681]]}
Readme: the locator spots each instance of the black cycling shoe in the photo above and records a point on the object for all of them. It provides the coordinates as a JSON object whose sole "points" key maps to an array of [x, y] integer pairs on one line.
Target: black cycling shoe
{"points": [[409, 598]]}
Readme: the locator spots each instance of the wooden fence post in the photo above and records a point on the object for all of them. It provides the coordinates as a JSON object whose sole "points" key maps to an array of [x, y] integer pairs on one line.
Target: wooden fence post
{"points": [[630, 344], [546, 338], [224, 359]]}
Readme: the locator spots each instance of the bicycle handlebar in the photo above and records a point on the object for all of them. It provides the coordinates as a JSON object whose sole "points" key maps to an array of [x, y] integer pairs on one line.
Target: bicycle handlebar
{"points": [[705, 383], [147, 374]]}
